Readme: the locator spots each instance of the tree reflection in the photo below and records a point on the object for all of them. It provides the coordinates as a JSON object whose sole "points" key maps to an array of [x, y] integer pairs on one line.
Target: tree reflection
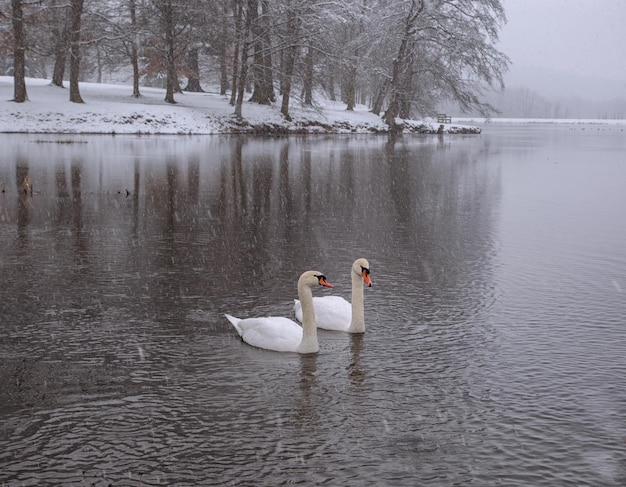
{"points": [[24, 202], [81, 236], [257, 212], [356, 372]]}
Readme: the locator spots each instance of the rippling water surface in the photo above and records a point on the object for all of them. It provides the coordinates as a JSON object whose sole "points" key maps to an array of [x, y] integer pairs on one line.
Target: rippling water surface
{"points": [[495, 347]]}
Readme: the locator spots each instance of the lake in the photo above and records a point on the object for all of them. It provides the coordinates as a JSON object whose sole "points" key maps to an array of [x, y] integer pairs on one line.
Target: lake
{"points": [[495, 348]]}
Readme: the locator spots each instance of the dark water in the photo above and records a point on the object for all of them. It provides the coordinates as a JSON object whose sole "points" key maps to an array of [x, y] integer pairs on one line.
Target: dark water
{"points": [[495, 352]]}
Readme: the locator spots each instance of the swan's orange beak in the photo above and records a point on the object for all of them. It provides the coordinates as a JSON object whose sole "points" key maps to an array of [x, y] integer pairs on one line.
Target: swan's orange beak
{"points": [[324, 282], [366, 277]]}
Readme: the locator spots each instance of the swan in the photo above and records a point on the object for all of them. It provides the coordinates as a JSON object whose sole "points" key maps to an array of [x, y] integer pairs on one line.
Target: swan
{"points": [[336, 313], [282, 334]]}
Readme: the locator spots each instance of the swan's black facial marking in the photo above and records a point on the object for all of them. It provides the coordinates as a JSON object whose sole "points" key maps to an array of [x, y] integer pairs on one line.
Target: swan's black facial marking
{"points": [[365, 274], [321, 280]]}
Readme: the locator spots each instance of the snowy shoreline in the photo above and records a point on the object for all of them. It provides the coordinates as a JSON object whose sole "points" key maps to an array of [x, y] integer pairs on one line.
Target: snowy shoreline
{"points": [[110, 109]]}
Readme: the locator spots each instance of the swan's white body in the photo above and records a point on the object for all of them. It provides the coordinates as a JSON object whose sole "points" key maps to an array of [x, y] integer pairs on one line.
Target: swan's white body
{"points": [[282, 334], [338, 314]]}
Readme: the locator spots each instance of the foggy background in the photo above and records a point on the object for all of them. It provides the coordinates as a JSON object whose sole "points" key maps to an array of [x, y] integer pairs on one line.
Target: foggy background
{"points": [[567, 59]]}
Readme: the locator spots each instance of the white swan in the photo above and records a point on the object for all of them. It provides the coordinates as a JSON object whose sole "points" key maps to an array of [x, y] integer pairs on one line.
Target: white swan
{"points": [[282, 334], [336, 313]]}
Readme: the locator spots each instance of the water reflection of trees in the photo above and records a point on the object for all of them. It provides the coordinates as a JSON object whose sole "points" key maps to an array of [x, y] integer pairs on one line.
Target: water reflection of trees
{"points": [[445, 204], [251, 214], [261, 214], [24, 203]]}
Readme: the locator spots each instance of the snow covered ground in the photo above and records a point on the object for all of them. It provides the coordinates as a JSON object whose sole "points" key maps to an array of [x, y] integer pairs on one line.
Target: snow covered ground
{"points": [[110, 109]]}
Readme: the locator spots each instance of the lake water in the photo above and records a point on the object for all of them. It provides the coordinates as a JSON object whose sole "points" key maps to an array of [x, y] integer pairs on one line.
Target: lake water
{"points": [[495, 350]]}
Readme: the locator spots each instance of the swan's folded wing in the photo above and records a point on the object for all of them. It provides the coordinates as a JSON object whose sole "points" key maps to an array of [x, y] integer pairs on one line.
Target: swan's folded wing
{"points": [[332, 312], [272, 333], [297, 309]]}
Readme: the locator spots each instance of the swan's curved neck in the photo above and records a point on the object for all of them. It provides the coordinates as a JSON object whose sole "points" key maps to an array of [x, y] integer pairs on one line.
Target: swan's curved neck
{"points": [[309, 343], [358, 314]]}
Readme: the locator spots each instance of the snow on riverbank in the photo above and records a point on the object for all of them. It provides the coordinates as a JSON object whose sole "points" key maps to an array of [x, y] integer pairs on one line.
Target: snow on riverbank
{"points": [[110, 109]]}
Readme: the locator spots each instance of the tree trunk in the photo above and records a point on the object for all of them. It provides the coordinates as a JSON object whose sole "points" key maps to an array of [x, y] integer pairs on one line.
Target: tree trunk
{"points": [[171, 84], [77, 12], [241, 84], [380, 97], [238, 14], [400, 66], [349, 93], [290, 61], [223, 62], [19, 61], [243, 64], [268, 70], [331, 87], [307, 82], [193, 65], [98, 64], [393, 107], [263, 92], [59, 60], [134, 56], [61, 40]]}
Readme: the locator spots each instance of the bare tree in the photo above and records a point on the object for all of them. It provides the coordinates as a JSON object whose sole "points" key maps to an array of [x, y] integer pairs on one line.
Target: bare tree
{"points": [[238, 24], [171, 36], [193, 71], [167, 18], [400, 62], [445, 51], [263, 92], [132, 46], [340, 35], [77, 12], [60, 41], [19, 82], [289, 60], [245, 29], [222, 47], [402, 57], [307, 79], [117, 27]]}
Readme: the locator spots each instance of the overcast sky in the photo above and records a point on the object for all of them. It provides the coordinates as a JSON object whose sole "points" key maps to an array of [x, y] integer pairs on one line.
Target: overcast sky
{"points": [[582, 37]]}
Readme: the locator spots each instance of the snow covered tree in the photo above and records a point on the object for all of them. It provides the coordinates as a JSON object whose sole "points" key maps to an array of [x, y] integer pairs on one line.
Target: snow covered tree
{"points": [[402, 57], [58, 18], [119, 26], [168, 39], [292, 34], [131, 45], [168, 25], [19, 82], [77, 12], [444, 51], [262, 69], [193, 71]]}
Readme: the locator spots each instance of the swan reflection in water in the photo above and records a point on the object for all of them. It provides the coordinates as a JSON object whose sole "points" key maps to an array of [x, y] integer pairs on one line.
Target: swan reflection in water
{"points": [[356, 372]]}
